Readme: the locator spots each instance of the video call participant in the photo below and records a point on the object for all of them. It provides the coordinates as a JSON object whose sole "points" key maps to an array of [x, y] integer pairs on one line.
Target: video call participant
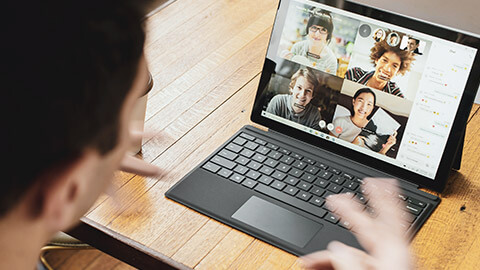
{"points": [[379, 35], [297, 106], [348, 128], [388, 61], [315, 48], [412, 45]]}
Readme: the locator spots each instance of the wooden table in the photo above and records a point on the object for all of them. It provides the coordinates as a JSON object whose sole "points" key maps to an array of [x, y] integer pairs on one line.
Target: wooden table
{"points": [[206, 57]]}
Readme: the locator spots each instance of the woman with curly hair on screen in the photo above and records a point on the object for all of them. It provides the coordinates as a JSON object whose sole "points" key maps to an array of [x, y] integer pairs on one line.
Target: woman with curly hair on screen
{"points": [[388, 61]]}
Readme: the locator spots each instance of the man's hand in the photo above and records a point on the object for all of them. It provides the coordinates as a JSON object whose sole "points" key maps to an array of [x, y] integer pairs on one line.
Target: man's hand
{"points": [[135, 165], [382, 236]]}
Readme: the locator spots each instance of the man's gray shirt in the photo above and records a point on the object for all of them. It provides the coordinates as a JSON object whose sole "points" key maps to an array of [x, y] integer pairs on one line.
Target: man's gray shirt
{"points": [[281, 105]]}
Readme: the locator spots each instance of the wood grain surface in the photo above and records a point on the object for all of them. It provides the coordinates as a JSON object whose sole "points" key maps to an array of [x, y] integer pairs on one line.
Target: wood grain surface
{"points": [[206, 57]]}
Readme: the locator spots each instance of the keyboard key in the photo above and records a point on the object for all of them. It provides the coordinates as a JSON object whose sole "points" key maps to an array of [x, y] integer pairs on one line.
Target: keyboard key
{"points": [[345, 224], [287, 160], [278, 175], [260, 141], [315, 200], [234, 147], [299, 164], [327, 193], [272, 146], [304, 186], [319, 212], [302, 195], [295, 172], [414, 209], [291, 180], [240, 141], [284, 151], [251, 145], [362, 199], [225, 173], [266, 170], [371, 211], [275, 155], [271, 162], [322, 166], [258, 157], [334, 188], [416, 202], [333, 170], [352, 185], [227, 154], [332, 218], [223, 162], [265, 180], [308, 177], [242, 160], [283, 168], [318, 191], [249, 183], [325, 175], [237, 178], [321, 183], [337, 179], [297, 156], [241, 169], [291, 190], [309, 161], [402, 197], [348, 176], [312, 169], [209, 166], [247, 153], [253, 174], [248, 137], [263, 150], [278, 185], [254, 165], [348, 192]]}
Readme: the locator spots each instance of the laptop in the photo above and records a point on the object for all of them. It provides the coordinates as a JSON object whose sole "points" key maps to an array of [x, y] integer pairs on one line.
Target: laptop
{"points": [[346, 92]]}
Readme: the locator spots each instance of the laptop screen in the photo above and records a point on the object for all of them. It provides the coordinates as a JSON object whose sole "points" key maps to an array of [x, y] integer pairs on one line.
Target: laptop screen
{"points": [[377, 88]]}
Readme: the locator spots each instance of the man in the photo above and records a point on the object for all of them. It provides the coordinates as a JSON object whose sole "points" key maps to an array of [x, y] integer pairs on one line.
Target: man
{"points": [[412, 45], [297, 105], [73, 71], [388, 61]]}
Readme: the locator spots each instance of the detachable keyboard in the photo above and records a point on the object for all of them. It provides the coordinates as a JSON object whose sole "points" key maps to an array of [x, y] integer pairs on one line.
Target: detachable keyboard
{"points": [[299, 181]]}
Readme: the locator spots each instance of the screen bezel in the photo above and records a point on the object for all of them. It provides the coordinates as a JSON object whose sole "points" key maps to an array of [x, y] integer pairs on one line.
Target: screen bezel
{"points": [[461, 117]]}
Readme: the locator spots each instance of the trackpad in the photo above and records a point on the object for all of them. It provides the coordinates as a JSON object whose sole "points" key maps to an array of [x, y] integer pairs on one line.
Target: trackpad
{"points": [[277, 221]]}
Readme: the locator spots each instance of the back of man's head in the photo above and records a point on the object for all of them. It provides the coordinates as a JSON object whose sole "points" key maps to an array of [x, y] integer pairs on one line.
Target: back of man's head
{"points": [[68, 68]]}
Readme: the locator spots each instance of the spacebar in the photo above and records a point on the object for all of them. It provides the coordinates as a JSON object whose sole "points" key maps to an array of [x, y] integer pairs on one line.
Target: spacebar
{"points": [[319, 212]]}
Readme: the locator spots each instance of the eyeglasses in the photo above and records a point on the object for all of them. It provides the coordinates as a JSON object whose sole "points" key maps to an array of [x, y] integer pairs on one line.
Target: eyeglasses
{"points": [[320, 29]]}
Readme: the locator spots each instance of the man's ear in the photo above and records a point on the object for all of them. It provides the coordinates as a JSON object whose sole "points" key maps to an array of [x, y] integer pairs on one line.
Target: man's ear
{"points": [[57, 197]]}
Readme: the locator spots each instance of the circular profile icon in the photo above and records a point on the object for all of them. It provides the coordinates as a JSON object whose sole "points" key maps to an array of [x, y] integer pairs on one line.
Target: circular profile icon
{"points": [[364, 30], [379, 35], [322, 124], [330, 126], [393, 39]]}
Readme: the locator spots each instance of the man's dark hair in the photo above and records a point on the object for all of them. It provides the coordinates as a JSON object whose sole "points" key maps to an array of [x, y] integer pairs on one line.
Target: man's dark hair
{"points": [[416, 40], [322, 18], [69, 67]]}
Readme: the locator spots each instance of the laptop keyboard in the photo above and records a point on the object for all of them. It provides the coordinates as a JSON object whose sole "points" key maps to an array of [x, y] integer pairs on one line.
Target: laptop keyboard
{"points": [[296, 180]]}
